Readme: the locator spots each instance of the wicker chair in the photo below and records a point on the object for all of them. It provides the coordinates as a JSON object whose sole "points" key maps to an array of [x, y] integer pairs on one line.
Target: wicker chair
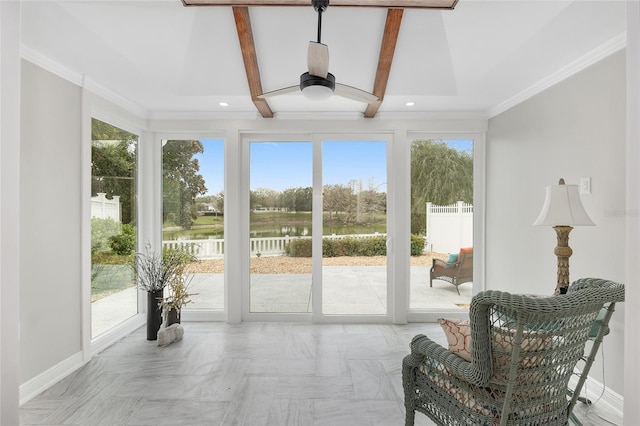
{"points": [[524, 350], [455, 273]]}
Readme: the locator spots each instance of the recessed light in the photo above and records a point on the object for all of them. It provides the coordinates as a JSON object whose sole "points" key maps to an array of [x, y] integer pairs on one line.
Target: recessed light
{"points": [[410, 103], [223, 104]]}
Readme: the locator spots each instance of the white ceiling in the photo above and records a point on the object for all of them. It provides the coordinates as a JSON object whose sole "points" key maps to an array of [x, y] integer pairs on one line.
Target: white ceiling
{"points": [[168, 59]]}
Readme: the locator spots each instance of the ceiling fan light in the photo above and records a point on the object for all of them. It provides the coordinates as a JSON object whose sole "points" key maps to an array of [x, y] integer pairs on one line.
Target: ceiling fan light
{"points": [[317, 88], [317, 93]]}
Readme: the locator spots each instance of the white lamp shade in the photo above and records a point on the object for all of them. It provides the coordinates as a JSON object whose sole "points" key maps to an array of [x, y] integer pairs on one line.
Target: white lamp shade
{"points": [[562, 207]]}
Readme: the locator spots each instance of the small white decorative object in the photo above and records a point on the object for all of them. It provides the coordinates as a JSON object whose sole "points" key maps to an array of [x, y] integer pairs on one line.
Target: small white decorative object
{"points": [[170, 334]]}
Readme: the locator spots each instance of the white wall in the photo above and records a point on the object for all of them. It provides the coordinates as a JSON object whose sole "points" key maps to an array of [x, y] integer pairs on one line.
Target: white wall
{"points": [[50, 264], [9, 210], [632, 249], [574, 129]]}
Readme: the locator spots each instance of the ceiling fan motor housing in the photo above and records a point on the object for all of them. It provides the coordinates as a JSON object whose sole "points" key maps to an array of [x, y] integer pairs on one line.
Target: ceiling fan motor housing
{"points": [[320, 5], [307, 80]]}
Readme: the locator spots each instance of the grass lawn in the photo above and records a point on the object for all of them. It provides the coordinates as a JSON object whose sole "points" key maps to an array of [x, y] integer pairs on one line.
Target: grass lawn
{"points": [[208, 221]]}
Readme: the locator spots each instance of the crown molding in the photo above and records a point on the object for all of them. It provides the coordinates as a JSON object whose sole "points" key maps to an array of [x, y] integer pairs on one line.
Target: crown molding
{"points": [[81, 80], [432, 115], [597, 54], [50, 65], [204, 115]]}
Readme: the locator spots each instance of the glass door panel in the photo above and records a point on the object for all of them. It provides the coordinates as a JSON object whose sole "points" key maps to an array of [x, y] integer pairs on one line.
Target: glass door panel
{"points": [[442, 220], [280, 202], [113, 226], [354, 271], [193, 214]]}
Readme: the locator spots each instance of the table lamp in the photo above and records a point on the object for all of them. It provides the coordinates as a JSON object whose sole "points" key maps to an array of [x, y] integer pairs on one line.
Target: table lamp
{"points": [[563, 210]]}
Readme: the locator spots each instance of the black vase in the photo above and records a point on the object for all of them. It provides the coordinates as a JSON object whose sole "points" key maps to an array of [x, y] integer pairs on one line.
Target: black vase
{"points": [[154, 314], [173, 317]]}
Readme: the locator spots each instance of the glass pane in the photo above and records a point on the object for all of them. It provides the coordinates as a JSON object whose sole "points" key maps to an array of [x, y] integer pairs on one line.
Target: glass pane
{"points": [[354, 271], [441, 224], [113, 225], [280, 226], [193, 214]]}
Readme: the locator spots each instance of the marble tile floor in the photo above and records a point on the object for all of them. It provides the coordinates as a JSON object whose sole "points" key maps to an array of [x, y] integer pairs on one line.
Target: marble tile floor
{"points": [[262, 374]]}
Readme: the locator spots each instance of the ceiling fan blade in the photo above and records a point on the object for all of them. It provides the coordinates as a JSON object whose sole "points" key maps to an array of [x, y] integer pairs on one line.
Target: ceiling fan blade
{"points": [[318, 59], [354, 93], [278, 92]]}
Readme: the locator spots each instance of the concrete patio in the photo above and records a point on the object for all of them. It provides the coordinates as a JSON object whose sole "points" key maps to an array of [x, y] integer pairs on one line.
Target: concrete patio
{"points": [[346, 290]]}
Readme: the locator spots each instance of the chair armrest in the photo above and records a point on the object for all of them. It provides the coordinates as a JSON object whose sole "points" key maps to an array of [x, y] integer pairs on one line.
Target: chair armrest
{"points": [[423, 349], [442, 266], [439, 262]]}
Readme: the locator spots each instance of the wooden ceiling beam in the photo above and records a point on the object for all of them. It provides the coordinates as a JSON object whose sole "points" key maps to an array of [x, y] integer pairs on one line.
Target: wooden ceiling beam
{"points": [[248, 48], [402, 4], [387, 50]]}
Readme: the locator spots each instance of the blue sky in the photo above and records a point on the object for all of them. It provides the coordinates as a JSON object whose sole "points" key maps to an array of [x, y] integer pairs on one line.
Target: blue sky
{"points": [[282, 165]]}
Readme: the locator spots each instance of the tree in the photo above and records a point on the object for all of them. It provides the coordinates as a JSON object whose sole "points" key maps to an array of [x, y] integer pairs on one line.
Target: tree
{"points": [[181, 181], [339, 198], [288, 199], [439, 174], [113, 159], [303, 199], [220, 201], [265, 197]]}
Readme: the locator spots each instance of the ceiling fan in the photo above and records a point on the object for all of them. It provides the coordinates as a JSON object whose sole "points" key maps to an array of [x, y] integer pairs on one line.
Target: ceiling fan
{"points": [[318, 83]]}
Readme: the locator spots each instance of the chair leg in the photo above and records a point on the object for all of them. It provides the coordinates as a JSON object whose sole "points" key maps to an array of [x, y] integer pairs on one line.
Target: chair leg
{"points": [[458, 290], [408, 373], [430, 281], [410, 417]]}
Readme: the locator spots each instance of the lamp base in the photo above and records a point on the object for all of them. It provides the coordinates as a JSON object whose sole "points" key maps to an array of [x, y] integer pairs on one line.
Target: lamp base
{"points": [[563, 252]]}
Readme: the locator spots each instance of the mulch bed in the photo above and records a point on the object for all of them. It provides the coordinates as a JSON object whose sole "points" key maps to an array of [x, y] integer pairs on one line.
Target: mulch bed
{"points": [[302, 265]]}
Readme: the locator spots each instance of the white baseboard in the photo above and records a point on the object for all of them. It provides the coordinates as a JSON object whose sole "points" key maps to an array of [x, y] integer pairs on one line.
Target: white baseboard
{"points": [[600, 394], [33, 387], [116, 333], [202, 315], [40, 383]]}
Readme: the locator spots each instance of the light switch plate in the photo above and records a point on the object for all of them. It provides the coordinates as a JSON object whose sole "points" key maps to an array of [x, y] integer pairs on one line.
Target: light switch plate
{"points": [[585, 186]]}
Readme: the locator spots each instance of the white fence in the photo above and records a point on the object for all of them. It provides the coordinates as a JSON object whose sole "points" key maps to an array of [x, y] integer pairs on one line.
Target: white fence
{"points": [[449, 227], [213, 248], [104, 208]]}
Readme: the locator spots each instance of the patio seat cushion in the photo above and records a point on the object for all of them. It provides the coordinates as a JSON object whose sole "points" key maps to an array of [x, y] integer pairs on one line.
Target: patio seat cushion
{"points": [[465, 250]]}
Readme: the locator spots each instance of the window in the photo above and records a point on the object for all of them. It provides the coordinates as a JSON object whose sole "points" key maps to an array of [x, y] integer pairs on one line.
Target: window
{"points": [[442, 219], [113, 225], [193, 214]]}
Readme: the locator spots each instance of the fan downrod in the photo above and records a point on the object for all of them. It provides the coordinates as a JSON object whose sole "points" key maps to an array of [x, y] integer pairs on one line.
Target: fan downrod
{"points": [[320, 6]]}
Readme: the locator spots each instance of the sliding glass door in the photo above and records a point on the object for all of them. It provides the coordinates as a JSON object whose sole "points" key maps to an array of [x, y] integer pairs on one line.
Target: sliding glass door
{"points": [[316, 227], [280, 227], [354, 228]]}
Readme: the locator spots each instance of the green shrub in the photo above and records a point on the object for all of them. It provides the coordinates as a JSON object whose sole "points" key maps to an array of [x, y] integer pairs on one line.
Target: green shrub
{"points": [[125, 242], [298, 247], [373, 247], [349, 246], [101, 231], [417, 245]]}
